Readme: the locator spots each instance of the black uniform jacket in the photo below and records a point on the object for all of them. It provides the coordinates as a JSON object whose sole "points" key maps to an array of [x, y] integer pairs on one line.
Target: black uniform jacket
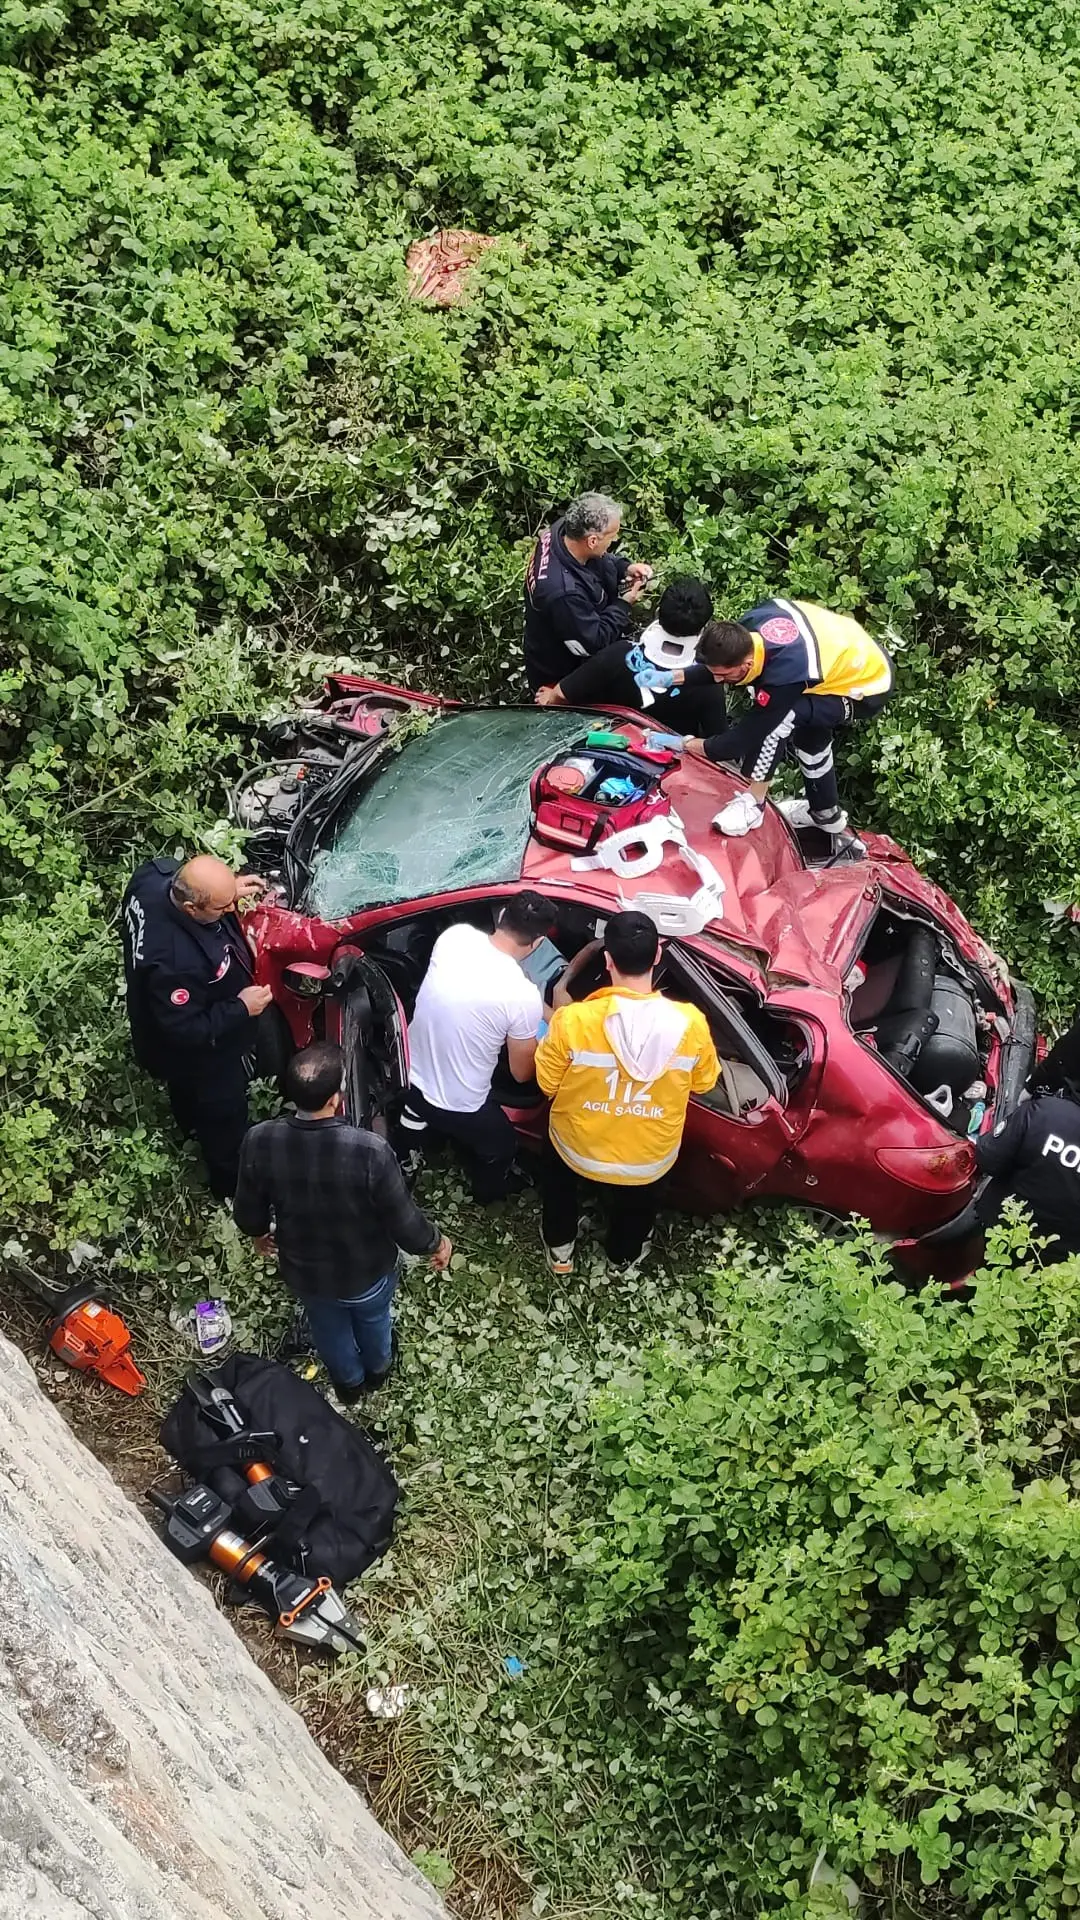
{"points": [[183, 979], [572, 607], [1036, 1154]]}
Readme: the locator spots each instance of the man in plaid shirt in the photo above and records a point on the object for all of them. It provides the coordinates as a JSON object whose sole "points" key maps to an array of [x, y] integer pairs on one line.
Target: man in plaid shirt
{"points": [[331, 1200]]}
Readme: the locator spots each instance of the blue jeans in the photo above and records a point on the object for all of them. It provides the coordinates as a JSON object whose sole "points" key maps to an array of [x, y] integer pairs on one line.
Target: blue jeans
{"points": [[353, 1336]]}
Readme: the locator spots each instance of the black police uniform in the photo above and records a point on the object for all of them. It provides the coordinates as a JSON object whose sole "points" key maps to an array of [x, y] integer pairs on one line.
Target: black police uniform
{"points": [[189, 1027], [572, 607], [1036, 1155]]}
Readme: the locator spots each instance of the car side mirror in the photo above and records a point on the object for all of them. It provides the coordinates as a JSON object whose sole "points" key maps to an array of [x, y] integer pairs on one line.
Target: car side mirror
{"points": [[306, 978]]}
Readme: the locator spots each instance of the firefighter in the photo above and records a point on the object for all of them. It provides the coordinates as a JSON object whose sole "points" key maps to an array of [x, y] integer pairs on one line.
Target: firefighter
{"points": [[191, 999], [811, 672], [578, 594], [1035, 1154]]}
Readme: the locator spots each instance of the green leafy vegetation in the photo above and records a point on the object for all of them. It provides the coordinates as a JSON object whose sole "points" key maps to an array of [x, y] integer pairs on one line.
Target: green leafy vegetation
{"points": [[788, 1560], [801, 286]]}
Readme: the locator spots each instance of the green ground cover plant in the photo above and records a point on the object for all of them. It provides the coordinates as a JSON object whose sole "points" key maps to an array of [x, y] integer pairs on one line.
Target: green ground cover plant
{"points": [[800, 286]]}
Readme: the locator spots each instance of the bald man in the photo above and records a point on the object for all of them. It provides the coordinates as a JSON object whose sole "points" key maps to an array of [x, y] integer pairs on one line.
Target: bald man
{"points": [[191, 1001]]}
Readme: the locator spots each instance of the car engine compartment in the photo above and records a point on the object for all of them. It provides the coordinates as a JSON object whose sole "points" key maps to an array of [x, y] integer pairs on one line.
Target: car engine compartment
{"points": [[310, 750]]}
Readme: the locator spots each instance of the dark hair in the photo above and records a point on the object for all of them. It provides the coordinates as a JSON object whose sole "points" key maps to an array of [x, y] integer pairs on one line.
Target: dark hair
{"points": [[313, 1075], [685, 606], [631, 942], [725, 644], [528, 916]]}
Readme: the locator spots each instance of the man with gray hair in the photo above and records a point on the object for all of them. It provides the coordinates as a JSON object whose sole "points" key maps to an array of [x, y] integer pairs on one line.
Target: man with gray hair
{"points": [[578, 594]]}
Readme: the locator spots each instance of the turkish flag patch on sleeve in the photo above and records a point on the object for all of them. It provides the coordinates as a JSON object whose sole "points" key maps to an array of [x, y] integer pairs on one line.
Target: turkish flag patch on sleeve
{"points": [[179, 996], [761, 697]]}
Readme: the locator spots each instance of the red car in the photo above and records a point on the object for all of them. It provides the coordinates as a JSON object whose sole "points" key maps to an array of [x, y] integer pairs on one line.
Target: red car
{"points": [[867, 1033]]}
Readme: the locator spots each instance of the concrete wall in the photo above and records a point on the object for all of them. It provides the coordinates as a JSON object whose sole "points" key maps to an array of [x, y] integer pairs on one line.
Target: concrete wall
{"points": [[147, 1767]]}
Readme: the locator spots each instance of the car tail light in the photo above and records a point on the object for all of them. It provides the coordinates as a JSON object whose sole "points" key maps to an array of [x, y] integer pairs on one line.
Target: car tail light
{"points": [[943, 1169]]}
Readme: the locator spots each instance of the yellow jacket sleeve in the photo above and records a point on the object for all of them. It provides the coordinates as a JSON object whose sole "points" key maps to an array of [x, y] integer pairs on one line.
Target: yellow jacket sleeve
{"points": [[707, 1072], [553, 1054]]}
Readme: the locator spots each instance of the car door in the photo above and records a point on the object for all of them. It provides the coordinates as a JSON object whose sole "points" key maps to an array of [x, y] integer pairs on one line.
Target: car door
{"points": [[365, 1015], [725, 1156]]}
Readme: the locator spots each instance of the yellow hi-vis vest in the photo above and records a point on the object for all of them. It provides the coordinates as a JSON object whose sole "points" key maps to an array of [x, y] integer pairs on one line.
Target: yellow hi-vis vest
{"points": [[796, 641], [851, 662], [611, 1118]]}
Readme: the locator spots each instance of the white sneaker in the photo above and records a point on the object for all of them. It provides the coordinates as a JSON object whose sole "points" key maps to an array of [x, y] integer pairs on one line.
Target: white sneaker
{"points": [[740, 816], [560, 1260], [798, 814], [630, 1269]]}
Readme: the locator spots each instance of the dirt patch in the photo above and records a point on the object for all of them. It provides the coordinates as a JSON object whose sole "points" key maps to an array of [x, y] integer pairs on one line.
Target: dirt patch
{"points": [[385, 1762]]}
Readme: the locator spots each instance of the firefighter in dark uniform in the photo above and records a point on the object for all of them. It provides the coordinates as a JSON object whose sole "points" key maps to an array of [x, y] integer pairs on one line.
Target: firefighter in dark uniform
{"points": [[191, 999], [1036, 1156], [578, 594]]}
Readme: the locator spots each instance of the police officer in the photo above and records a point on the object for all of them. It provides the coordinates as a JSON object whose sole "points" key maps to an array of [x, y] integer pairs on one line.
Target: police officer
{"points": [[191, 999], [1036, 1156]]}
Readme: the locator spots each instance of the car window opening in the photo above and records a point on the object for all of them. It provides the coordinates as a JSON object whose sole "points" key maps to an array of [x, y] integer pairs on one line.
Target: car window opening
{"points": [[927, 1013], [403, 949]]}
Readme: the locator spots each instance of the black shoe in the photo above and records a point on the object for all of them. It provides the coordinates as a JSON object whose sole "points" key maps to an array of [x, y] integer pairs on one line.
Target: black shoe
{"points": [[350, 1395], [376, 1380]]}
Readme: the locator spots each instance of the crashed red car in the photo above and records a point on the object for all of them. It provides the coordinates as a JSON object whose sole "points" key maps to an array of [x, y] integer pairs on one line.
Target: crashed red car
{"points": [[867, 1034]]}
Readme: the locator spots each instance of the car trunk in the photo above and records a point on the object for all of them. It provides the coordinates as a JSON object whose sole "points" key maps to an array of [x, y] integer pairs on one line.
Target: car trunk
{"points": [[929, 1013]]}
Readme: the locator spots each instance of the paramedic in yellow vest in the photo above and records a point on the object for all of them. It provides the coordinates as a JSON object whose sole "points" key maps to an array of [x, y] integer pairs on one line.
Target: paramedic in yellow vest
{"points": [[620, 1067], [810, 672]]}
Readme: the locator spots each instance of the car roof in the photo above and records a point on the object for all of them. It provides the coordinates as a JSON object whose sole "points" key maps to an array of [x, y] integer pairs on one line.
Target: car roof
{"points": [[791, 921]]}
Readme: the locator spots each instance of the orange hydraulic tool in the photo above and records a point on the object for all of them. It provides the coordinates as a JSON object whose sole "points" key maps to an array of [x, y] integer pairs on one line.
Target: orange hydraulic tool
{"points": [[94, 1339], [269, 1497], [304, 1609]]}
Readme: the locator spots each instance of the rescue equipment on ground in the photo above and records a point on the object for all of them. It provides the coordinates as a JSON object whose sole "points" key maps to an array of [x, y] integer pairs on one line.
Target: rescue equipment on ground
{"points": [[338, 1515], [289, 1499], [198, 1526], [94, 1339]]}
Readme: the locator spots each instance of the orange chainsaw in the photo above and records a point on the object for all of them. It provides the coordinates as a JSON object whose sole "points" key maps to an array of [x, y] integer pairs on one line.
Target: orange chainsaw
{"points": [[94, 1339]]}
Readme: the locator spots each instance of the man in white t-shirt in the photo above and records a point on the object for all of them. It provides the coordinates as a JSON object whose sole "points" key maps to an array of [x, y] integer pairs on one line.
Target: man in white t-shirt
{"points": [[475, 1000]]}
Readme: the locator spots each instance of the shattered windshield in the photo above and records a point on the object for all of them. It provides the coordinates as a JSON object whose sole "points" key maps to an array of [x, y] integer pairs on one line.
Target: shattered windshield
{"points": [[450, 810]]}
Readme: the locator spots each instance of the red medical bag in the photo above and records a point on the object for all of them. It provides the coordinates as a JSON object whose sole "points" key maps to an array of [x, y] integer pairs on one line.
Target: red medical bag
{"points": [[568, 812]]}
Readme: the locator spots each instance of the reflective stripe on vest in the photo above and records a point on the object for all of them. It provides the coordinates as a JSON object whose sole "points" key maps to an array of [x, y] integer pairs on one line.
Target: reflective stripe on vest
{"points": [[647, 1170], [679, 1063]]}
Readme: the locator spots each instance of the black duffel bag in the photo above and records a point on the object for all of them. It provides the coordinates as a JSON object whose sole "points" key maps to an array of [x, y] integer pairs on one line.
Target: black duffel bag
{"points": [[342, 1518]]}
